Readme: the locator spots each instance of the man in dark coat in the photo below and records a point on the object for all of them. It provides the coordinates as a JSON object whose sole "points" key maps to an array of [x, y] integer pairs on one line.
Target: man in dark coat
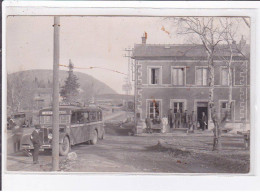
{"points": [[36, 140], [186, 119], [170, 118], [178, 119], [173, 119]]}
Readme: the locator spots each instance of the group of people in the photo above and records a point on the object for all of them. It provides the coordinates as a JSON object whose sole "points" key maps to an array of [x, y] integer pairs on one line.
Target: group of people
{"points": [[182, 119], [179, 120]]}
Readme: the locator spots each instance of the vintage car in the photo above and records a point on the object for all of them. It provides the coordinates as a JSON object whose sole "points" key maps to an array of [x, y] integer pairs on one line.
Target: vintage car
{"points": [[20, 119], [77, 125]]}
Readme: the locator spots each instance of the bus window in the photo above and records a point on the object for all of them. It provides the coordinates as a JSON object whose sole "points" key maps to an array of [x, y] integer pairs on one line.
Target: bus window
{"points": [[86, 117], [92, 116], [64, 119], [99, 116], [80, 117], [100, 113], [74, 117], [45, 119]]}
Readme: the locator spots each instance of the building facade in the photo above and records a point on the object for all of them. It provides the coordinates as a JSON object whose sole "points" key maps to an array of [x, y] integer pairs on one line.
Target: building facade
{"points": [[176, 77]]}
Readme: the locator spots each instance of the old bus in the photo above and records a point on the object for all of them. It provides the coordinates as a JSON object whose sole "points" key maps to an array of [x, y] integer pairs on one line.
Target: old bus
{"points": [[77, 125]]}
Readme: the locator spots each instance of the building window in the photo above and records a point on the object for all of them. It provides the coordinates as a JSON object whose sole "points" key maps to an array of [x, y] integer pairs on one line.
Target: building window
{"points": [[154, 76], [224, 77], [154, 109], [178, 106], [178, 76], [202, 76], [224, 110]]}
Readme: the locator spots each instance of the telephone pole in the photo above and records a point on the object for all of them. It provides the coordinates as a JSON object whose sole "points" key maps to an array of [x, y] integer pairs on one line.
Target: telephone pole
{"points": [[55, 98], [127, 86]]}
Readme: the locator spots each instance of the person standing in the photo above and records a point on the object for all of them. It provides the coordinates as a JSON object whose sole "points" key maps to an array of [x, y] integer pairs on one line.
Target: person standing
{"points": [[193, 119], [148, 125], [17, 131], [173, 119], [178, 119], [35, 138], [203, 121], [186, 119], [170, 117], [164, 124]]}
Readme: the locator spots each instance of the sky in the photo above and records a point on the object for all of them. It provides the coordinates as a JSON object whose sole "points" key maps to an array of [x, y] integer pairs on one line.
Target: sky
{"points": [[87, 41]]}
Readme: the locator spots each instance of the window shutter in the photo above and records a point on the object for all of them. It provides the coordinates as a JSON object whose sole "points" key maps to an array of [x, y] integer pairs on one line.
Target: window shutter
{"points": [[180, 76], [199, 76], [205, 76]]}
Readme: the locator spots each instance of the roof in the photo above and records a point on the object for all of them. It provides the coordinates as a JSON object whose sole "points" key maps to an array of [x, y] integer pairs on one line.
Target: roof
{"points": [[184, 51]]}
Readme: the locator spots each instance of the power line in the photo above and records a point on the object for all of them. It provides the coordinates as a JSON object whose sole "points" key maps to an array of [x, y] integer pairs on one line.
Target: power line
{"points": [[93, 67]]}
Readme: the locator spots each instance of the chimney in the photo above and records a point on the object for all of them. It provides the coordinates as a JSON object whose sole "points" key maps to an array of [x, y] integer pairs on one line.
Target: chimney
{"points": [[144, 37]]}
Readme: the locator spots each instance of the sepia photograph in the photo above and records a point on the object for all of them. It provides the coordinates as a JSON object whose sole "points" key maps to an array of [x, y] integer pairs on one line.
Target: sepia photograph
{"points": [[128, 94]]}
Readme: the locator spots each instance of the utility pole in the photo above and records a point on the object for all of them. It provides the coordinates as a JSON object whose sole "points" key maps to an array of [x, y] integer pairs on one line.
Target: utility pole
{"points": [[127, 86], [55, 99]]}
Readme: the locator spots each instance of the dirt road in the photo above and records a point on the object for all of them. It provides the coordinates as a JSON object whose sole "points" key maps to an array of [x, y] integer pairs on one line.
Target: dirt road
{"points": [[118, 152]]}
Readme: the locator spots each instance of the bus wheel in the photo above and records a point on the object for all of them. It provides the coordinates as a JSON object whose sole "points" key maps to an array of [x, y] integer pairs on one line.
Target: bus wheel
{"points": [[65, 146], [94, 139]]}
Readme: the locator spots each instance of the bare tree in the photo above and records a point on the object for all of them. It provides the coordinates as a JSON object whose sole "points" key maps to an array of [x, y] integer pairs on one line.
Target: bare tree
{"points": [[20, 93], [228, 37], [211, 32], [231, 27], [15, 87]]}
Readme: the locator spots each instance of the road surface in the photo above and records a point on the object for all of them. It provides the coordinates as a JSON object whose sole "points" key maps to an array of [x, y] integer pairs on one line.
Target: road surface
{"points": [[120, 153], [177, 152]]}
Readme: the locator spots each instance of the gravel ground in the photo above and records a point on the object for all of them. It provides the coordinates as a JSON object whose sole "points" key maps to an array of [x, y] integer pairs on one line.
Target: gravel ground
{"points": [[175, 152]]}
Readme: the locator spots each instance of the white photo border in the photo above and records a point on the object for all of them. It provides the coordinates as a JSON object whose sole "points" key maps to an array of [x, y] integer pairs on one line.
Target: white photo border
{"points": [[133, 181]]}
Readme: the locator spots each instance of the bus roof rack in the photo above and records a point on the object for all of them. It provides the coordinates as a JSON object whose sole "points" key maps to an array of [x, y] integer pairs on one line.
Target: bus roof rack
{"points": [[70, 104]]}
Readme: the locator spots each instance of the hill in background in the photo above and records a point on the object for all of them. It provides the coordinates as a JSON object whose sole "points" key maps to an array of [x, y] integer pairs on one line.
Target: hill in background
{"points": [[21, 86], [44, 78]]}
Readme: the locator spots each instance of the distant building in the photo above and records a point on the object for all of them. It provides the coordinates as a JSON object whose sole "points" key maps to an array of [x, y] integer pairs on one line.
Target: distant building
{"points": [[176, 77], [42, 98]]}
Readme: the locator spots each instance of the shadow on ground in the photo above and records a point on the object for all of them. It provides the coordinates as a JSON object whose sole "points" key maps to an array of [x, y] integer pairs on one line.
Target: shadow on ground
{"points": [[119, 129], [170, 150]]}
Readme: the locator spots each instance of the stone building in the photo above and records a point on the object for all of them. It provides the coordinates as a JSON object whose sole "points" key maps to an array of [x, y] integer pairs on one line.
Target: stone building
{"points": [[176, 77]]}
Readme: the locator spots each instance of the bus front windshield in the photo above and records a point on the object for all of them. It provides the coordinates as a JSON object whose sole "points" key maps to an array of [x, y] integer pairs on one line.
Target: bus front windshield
{"points": [[47, 119]]}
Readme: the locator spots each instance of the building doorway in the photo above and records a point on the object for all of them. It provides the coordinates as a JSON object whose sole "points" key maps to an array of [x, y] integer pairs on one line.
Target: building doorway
{"points": [[178, 106], [202, 107]]}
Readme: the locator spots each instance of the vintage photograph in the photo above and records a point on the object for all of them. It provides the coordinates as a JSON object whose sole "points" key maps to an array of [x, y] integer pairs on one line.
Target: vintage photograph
{"points": [[128, 94]]}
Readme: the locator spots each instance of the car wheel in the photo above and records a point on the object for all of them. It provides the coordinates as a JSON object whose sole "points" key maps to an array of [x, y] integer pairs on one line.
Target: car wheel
{"points": [[65, 146], [94, 139]]}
